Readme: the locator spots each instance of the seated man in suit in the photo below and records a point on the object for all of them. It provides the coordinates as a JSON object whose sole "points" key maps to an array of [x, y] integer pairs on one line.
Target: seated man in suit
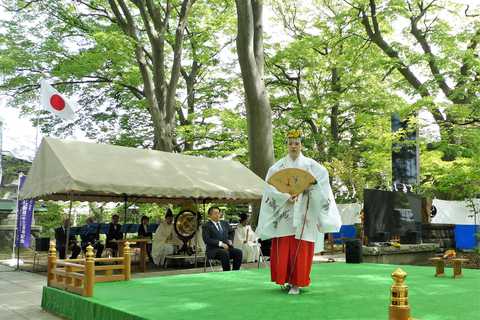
{"points": [[61, 239], [114, 233], [219, 246], [90, 234]]}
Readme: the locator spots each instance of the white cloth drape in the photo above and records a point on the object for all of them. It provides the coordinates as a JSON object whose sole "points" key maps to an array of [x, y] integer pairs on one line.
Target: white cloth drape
{"points": [[455, 212], [197, 241]]}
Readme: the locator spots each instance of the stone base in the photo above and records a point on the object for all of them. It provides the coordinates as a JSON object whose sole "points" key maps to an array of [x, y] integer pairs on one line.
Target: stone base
{"points": [[415, 254], [7, 234], [399, 313]]}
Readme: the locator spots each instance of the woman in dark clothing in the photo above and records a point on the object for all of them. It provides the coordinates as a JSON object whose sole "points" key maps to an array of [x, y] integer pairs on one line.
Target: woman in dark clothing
{"points": [[145, 234]]}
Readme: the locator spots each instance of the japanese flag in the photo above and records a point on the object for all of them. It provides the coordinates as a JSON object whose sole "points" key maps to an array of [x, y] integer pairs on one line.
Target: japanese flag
{"points": [[54, 102]]}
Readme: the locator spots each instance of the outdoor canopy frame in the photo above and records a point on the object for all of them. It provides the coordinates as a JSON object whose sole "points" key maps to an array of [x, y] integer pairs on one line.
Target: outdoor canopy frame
{"points": [[66, 170], [83, 171]]}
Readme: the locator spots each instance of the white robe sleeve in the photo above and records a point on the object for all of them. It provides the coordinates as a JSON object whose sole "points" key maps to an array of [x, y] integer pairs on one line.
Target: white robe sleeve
{"points": [[323, 203], [273, 202]]}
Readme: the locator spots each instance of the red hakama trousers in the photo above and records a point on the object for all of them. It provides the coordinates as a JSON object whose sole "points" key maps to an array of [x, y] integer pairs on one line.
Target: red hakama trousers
{"points": [[291, 261]]}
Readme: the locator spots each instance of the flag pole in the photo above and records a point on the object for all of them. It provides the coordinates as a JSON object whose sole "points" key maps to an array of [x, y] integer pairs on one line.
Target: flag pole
{"points": [[36, 131], [67, 232], [16, 227]]}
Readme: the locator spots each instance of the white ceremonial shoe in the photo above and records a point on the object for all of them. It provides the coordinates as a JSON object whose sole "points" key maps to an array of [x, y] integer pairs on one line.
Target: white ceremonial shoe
{"points": [[294, 290]]}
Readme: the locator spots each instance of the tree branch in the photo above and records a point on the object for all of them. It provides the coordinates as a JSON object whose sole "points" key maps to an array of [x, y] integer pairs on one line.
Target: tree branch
{"points": [[375, 35], [177, 58], [431, 58]]}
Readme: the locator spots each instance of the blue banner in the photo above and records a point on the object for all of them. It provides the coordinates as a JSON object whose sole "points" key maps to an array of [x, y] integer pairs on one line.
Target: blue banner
{"points": [[24, 219]]}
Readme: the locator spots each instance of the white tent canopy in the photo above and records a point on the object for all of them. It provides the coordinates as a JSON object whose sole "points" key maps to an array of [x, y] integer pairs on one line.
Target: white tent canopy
{"points": [[73, 170]]}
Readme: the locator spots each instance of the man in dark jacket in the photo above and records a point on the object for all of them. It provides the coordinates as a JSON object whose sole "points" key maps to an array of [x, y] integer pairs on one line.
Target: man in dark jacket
{"points": [[90, 234], [114, 233], [143, 233], [218, 238], [61, 240]]}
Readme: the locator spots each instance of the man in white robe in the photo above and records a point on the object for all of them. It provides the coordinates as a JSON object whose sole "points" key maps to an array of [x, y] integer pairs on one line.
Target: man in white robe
{"points": [[296, 224], [246, 240], [165, 240]]}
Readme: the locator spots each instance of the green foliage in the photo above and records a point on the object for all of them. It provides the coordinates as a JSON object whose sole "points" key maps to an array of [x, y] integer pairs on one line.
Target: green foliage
{"points": [[324, 76], [51, 218], [328, 84], [11, 167], [83, 48]]}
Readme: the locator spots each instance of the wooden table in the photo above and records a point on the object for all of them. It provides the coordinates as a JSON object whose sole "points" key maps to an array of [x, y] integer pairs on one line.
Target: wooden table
{"points": [[440, 266], [457, 267], [143, 250]]}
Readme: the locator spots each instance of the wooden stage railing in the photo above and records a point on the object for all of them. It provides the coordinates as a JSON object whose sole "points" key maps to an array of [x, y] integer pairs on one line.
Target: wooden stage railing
{"points": [[80, 275]]}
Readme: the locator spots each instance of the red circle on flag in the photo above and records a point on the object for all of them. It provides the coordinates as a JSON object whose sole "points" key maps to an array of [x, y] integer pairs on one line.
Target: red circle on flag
{"points": [[57, 102]]}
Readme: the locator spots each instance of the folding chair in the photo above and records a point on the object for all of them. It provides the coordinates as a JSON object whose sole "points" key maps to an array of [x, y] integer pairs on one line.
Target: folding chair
{"points": [[207, 259], [215, 262], [262, 259]]}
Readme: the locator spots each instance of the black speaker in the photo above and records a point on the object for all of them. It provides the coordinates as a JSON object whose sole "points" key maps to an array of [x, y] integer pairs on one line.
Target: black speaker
{"points": [[353, 251], [42, 244], [411, 237]]}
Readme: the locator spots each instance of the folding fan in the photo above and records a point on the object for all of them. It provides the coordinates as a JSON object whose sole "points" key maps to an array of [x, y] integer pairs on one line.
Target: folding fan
{"points": [[292, 180]]}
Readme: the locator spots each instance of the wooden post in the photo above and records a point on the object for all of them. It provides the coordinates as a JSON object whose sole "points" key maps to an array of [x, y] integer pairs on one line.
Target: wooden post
{"points": [[89, 276], [457, 267], [399, 308], [52, 262], [143, 255], [77, 283], [126, 260], [439, 266], [68, 278]]}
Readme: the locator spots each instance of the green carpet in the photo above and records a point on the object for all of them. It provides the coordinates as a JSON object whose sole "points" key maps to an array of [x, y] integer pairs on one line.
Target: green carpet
{"points": [[338, 291]]}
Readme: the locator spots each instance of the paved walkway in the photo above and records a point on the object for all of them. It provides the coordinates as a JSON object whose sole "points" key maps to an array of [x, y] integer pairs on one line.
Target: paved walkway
{"points": [[20, 295]]}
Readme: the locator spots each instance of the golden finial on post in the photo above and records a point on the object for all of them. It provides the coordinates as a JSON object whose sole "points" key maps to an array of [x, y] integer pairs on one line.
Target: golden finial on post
{"points": [[89, 253], [399, 308], [52, 262], [126, 261], [52, 250], [89, 272]]}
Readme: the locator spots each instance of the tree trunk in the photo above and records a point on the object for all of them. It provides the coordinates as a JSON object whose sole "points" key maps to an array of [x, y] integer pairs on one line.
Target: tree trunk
{"points": [[334, 126], [159, 92], [190, 81], [259, 113]]}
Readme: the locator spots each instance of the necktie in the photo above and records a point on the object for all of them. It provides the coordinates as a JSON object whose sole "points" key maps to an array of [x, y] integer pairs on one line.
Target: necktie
{"points": [[219, 227]]}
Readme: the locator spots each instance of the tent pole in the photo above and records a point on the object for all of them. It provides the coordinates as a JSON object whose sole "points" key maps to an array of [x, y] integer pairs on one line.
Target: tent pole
{"points": [[125, 198], [15, 246], [204, 212], [67, 236]]}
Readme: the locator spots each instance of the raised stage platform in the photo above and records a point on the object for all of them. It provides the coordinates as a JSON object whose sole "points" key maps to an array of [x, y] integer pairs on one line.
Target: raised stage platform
{"points": [[414, 254], [338, 291]]}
